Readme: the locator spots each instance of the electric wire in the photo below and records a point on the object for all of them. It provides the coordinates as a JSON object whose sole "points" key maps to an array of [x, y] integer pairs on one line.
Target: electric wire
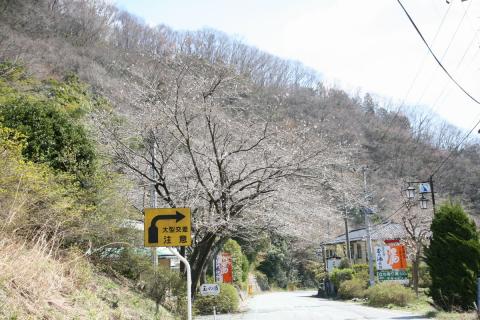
{"points": [[435, 56], [422, 64], [451, 153], [417, 74], [446, 89], [429, 83]]}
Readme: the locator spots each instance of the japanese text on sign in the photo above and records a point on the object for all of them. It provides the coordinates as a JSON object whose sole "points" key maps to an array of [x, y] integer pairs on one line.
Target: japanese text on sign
{"points": [[209, 289], [167, 227], [390, 257]]}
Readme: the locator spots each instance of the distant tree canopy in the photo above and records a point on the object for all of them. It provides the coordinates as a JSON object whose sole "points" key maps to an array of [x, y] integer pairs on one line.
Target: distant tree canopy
{"points": [[51, 135], [54, 134]]}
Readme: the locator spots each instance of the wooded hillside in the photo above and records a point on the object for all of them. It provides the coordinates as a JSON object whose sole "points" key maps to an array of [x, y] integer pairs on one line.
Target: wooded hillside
{"points": [[253, 143]]}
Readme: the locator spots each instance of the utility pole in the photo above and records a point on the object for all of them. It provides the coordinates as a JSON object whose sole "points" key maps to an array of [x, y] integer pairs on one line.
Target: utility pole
{"points": [[153, 198], [433, 193], [367, 225], [347, 235]]}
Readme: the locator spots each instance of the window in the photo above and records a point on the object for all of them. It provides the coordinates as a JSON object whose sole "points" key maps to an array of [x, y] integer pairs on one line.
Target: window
{"points": [[359, 251]]}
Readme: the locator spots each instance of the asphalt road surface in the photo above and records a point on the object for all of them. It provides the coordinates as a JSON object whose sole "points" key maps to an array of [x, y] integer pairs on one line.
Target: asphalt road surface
{"points": [[300, 305]]}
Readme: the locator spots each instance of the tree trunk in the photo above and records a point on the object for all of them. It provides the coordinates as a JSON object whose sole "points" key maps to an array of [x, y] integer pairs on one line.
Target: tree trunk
{"points": [[415, 271], [203, 254], [203, 277], [199, 259]]}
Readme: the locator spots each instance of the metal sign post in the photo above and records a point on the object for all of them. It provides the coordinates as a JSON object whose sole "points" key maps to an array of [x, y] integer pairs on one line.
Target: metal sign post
{"points": [[189, 282], [170, 227]]}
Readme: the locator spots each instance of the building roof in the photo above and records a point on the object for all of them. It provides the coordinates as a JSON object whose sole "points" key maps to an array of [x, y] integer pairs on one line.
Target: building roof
{"points": [[387, 230]]}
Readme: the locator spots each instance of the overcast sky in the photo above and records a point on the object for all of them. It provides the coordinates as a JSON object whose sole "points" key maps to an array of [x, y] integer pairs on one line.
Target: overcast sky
{"points": [[368, 45]]}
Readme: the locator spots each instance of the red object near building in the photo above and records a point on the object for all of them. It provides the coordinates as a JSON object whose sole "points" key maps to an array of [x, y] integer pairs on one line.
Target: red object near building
{"points": [[224, 268]]}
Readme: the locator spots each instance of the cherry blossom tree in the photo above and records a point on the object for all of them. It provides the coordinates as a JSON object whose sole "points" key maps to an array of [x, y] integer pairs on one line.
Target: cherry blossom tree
{"points": [[195, 125]]}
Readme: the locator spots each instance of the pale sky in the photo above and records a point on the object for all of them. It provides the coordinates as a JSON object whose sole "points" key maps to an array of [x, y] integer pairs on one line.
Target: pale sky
{"points": [[366, 45]]}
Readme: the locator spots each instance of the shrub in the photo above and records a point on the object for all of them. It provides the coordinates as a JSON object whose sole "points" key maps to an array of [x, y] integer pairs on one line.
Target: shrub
{"points": [[344, 264], [354, 288], [49, 115], [340, 275], [385, 293], [453, 258], [425, 280], [361, 272], [262, 281], [235, 250], [163, 283], [227, 301], [245, 268], [129, 263]]}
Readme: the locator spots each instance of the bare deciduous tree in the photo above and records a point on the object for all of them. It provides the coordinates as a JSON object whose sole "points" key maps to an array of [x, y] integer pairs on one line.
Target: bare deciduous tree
{"points": [[214, 155]]}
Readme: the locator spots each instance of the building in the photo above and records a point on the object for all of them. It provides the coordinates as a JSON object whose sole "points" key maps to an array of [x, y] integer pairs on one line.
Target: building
{"points": [[335, 250]]}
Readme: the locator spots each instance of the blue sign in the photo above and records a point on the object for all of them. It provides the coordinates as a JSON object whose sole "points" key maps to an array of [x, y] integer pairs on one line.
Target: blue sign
{"points": [[424, 187]]}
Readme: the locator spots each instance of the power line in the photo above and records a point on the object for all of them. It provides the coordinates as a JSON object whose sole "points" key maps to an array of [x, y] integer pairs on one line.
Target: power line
{"points": [[435, 56], [471, 43], [451, 78], [417, 74], [426, 54], [429, 83], [450, 154]]}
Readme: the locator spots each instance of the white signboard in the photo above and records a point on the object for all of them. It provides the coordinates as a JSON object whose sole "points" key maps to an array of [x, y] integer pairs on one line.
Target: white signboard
{"points": [[424, 187], [207, 289], [381, 255]]}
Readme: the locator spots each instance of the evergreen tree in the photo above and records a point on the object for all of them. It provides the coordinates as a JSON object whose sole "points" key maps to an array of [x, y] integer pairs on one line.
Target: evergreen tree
{"points": [[454, 258]]}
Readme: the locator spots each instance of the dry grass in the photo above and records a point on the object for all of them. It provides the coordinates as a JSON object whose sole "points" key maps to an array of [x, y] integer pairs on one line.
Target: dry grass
{"points": [[32, 280], [36, 283]]}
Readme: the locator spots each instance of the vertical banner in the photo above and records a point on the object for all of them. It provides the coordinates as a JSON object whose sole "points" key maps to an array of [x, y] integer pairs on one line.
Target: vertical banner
{"points": [[391, 257], [224, 268], [218, 268], [397, 257]]}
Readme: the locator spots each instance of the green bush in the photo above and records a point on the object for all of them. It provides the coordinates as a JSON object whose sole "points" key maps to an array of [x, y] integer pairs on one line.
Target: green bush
{"points": [[235, 250], [385, 293], [129, 263], [164, 283], [340, 275], [344, 264], [262, 281], [453, 257], [350, 289], [227, 301], [53, 137], [425, 280], [361, 272], [245, 268]]}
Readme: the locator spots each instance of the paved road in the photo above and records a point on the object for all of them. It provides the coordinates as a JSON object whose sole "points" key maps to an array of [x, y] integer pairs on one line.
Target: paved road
{"points": [[300, 305]]}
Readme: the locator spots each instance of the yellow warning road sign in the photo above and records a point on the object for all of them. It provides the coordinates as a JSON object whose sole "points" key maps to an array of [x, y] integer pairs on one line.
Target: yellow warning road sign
{"points": [[167, 227]]}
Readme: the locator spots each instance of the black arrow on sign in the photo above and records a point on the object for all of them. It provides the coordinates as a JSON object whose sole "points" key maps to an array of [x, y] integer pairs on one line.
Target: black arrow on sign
{"points": [[153, 230]]}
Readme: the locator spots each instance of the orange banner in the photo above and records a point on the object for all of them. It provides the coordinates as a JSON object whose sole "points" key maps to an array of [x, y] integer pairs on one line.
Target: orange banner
{"points": [[397, 257]]}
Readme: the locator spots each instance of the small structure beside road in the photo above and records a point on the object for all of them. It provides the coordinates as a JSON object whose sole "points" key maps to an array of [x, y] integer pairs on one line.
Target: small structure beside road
{"points": [[335, 250]]}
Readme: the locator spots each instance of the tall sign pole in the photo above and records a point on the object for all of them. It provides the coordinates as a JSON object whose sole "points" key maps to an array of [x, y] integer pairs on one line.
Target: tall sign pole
{"points": [[433, 194], [189, 282], [170, 227], [369, 240], [347, 233], [153, 197]]}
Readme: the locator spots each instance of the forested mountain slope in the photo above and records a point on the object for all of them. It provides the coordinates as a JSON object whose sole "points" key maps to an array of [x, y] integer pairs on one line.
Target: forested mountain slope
{"points": [[109, 49], [254, 144]]}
